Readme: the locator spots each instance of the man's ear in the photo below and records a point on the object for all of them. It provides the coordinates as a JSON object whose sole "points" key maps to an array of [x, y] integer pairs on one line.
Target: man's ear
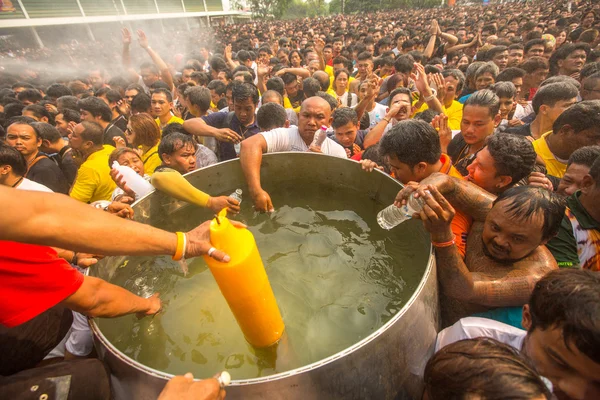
{"points": [[505, 180], [543, 109], [497, 119], [587, 184], [526, 320], [420, 168], [166, 158], [46, 143], [329, 121], [5, 169], [287, 123], [44, 119]]}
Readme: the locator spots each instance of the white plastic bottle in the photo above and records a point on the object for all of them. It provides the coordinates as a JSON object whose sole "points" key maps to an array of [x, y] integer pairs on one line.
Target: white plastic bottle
{"points": [[320, 136], [139, 185], [237, 195], [393, 216]]}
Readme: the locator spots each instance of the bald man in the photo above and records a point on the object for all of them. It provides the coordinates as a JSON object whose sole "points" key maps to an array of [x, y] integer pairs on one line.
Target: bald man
{"points": [[314, 113]]}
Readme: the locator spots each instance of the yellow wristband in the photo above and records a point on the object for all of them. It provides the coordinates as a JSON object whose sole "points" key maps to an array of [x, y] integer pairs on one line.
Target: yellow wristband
{"points": [[180, 246]]}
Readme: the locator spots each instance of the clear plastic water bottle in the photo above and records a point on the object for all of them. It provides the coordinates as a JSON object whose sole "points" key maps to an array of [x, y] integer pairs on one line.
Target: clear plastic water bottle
{"points": [[393, 216], [237, 195], [320, 136]]}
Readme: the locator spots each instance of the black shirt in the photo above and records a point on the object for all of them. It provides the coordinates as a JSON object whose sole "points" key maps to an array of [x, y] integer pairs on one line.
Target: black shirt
{"points": [[46, 172], [458, 151], [66, 163], [110, 132], [120, 122], [523, 130]]}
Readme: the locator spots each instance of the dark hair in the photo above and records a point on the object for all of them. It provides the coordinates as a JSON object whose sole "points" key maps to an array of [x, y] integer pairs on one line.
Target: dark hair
{"points": [[588, 70], [550, 94], [11, 156], [39, 112], [57, 90], [488, 68], [426, 115], [46, 131], [22, 85], [365, 55], [172, 128], [173, 142], [198, 96], [218, 86], [97, 107], [397, 91], [269, 94], [140, 103], [333, 103], [64, 102], [114, 156], [311, 86], [563, 52], [533, 42], [343, 116], [483, 368], [288, 78], [569, 299], [217, 64], [456, 74], [111, 95], [533, 64], [159, 85], [93, 132], [13, 110], [341, 71], [200, 77], [412, 142], [509, 74], [166, 92], [276, 83], [243, 55], [580, 116], [32, 95], [135, 86], [585, 156], [485, 98], [247, 76], [271, 116], [491, 53], [524, 202], [404, 64], [595, 171], [245, 91], [513, 155], [561, 79], [504, 90]]}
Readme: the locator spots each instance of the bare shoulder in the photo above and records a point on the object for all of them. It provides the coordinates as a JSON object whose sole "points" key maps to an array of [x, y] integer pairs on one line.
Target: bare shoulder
{"points": [[540, 262]]}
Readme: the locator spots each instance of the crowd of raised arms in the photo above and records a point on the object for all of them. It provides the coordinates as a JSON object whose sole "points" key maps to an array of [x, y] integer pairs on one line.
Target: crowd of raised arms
{"points": [[489, 114]]}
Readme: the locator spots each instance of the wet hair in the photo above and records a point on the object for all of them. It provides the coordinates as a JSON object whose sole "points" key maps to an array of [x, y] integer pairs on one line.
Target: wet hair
{"points": [[46, 131], [218, 86], [364, 56], [513, 155], [164, 91], [585, 156], [504, 90], [341, 71], [93, 132], [25, 85], [550, 94], [289, 78], [111, 95], [198, 96], [11, 156], [396, 92], [333, 103], [172, 128], [57, 90], [114, 156], [524, 202], [311, 86], [97, 107], [412, 142], [200, 77], [589, 69], [174, 142], [484, 98], [245, 91], [595, 171], [569, 300], [39, 112], [20, 120], [32, 95], [13, 110], [533, 64], [482, 368], [343, 116], [456, 74], [135, 86], [580, 116], [67, 102], [217, 64], [271, 116], [146, 130], [140, 103], [426, 115], [509, 74], [491, 53]]}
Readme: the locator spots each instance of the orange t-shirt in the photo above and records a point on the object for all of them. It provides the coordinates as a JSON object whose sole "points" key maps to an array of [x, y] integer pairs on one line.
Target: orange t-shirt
{"points": [[461, 224]]}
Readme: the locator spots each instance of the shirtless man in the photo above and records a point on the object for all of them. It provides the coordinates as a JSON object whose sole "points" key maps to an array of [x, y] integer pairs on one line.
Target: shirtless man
{"points": [[505, 248]]}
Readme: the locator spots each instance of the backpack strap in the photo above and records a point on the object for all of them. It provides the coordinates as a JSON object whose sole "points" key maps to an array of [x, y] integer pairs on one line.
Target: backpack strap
{"points": [[38, 158]]}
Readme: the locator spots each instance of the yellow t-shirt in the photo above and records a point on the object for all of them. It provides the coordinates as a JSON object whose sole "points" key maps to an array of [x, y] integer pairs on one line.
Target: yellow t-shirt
{"points": [[454, 114], [173, 120], [93, 181], [553, 166], [151, 160], [288, 104]]}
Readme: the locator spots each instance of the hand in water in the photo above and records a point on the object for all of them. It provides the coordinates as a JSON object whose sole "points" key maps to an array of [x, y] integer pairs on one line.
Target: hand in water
{"points": [[262, 202], [185, 388], [154, 306], [198, 242]]}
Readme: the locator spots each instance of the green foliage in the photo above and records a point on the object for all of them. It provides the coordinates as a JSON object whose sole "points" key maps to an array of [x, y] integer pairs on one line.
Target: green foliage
{"points": [[267, 8]]}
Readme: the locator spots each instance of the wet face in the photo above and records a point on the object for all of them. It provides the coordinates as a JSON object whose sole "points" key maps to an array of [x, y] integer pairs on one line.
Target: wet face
{"points": [[573, 63], [553, 112], [506, 239], [571, 181], [536, 51], [515, 56], [341, 82], [587, 137], [501, 59], [401, 171], [314, 113], [476, 125], [23, 138], [506, 105], [244, 111], [182, 160], [483, 172], [406, 106], [573, 374], [133, 161], [148, 76], [484, 81], [161, 106], [346, 134]]}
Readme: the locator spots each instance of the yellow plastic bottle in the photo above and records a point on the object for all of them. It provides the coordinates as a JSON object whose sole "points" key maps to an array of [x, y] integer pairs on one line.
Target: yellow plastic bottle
{"points": [[244, 283]]}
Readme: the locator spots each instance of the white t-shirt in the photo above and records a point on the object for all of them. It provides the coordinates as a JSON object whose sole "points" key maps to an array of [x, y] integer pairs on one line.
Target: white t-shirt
{"points": [[26, 184], [289, 139], [474, 327], [377, 114]]}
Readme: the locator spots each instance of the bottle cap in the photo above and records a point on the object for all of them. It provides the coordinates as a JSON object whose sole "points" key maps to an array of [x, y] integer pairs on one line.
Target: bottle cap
{"points": [[324, 128]]}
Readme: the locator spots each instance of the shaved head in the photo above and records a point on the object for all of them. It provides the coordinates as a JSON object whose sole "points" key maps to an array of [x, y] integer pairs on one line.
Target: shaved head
{"points": [[314, 113]]}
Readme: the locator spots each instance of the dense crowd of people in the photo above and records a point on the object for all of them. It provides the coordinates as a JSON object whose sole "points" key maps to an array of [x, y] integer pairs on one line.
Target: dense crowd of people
{"points": [[488, 115]]}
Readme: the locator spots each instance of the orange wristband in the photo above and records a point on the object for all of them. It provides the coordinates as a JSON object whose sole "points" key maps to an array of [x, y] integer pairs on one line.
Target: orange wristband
{"points": [[181, 242], [444, 244]]}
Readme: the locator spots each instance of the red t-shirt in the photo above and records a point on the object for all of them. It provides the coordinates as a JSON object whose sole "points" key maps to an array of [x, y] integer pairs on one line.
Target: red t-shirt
{"points": [[32, 280]]}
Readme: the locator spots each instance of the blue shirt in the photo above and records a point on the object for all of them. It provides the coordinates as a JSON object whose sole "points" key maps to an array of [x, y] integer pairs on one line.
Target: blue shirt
{"points": [[226, 151]]}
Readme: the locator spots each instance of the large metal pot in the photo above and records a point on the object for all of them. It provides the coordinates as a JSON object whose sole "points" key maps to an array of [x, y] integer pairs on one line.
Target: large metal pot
{"points": [[387, 364]]}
